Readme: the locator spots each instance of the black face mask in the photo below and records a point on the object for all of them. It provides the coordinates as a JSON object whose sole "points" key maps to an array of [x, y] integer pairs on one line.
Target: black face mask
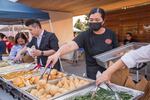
{"points": [[95, 26]]}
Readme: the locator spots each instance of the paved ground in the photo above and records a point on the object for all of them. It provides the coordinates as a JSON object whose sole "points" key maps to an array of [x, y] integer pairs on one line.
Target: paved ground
{"points": [[74, 68]]}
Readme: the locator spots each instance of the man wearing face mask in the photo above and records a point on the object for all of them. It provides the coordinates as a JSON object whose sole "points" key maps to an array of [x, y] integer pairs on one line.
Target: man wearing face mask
{"points": [[97, 39]]}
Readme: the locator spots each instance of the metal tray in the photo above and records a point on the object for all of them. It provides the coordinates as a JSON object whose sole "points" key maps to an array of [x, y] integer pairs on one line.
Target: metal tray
{"points": [[113, 55], [4, 64], [136, 94], [15, 67], [34, 75], [14, 91], [55, 81]]}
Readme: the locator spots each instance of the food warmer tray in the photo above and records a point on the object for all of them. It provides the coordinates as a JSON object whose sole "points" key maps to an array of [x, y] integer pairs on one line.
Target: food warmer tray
{"points": [[92, 82], [135, 93], [114, 54]]}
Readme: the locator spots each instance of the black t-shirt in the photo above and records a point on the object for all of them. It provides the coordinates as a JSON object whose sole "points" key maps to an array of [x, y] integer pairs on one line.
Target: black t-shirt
{"points": [[94, 44]]}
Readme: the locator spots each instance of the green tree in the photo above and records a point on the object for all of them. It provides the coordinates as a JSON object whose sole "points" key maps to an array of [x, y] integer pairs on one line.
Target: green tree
{"points": [[82, 25]]}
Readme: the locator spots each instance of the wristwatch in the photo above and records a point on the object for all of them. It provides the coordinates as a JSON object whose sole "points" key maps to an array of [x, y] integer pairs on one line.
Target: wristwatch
{"points": [[42, 53]]}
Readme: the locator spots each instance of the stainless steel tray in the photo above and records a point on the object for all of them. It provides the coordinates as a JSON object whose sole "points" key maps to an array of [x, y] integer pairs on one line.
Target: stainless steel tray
{"points": [[4, 64], [15, 71], [15, 67], [136, 94], [113, 55], [34, 75], [63, 94]]}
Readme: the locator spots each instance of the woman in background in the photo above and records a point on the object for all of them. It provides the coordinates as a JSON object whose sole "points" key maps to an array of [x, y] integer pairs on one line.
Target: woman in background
{"points": [[20, 42], [10, 43]]}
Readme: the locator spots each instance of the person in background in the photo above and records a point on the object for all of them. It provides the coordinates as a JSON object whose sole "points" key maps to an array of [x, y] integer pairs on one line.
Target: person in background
{"points": [[10, 43], [2, 46], [129, 60], [129, 38], [46, 43], [20, 42], [96, 40], [4, 39]]}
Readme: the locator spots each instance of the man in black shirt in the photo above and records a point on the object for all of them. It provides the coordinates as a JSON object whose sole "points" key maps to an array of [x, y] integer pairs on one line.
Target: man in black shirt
{"points": [[46, 43], [95, 40]]}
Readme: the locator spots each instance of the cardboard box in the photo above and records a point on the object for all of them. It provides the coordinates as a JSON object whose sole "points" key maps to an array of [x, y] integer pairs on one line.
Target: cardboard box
{"points": [[146, 95], [120, 76], [27, 59], [141, 85]]}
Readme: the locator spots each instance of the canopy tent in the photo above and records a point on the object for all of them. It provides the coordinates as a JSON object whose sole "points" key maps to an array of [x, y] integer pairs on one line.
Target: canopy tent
{"points": [[15, 13], [17, 28]]}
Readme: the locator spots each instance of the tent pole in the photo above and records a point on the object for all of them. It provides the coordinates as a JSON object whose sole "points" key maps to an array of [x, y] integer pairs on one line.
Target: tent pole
{"points": [[13, 30], [22, 23], [51, 26]]}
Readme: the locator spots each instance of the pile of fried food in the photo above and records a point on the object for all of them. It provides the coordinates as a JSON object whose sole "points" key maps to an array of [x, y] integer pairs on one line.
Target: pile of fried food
{"points": [[44, 90], [23, 81], [16, 74]]}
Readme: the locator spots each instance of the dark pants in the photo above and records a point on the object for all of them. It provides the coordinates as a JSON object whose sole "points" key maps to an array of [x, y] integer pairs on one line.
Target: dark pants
{"points": [[92, 71]]}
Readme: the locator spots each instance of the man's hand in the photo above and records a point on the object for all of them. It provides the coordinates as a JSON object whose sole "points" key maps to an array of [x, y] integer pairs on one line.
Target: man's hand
{"points": [[52, 60], [36, 53]]}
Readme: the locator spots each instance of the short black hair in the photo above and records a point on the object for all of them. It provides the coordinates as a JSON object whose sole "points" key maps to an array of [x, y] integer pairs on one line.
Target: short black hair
{"points": [[97, 10], [129, 33], [20, 35], [33, 21], [2, 35]]}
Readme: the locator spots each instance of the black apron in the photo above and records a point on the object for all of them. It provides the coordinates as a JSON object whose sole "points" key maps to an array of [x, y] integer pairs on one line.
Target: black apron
{"points": [[92, 71]]}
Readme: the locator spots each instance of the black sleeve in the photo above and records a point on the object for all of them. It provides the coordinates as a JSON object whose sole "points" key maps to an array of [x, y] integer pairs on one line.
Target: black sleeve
{"points": [[115, 40], [80, 40], [124, 42], [31, 43], [53, 42]]}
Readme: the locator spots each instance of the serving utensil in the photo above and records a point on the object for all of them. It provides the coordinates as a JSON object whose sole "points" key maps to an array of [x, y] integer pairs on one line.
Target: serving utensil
{"points": [[117, 97]]}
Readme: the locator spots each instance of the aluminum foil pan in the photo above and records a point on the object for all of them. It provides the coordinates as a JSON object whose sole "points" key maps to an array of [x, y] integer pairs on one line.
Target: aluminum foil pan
{"points": [[63, 94], [135, 93], [15, 67]]}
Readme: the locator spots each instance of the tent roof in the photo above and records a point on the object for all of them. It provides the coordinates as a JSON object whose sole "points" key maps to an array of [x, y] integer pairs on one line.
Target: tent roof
{"points": [[12, 12], [81, 7]]}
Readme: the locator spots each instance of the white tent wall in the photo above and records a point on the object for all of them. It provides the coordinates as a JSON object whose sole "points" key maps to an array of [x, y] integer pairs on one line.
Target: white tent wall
{"points": [[12, 30], [62, 25]]}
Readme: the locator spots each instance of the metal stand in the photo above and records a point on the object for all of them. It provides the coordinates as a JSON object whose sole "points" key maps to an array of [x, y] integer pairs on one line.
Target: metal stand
{"points": [[138, 68]]}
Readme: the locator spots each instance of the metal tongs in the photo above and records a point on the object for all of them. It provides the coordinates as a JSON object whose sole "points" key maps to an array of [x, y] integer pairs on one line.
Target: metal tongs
{"points": [[94, 92], [117, 97], [50, 67], [36, 67]]}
